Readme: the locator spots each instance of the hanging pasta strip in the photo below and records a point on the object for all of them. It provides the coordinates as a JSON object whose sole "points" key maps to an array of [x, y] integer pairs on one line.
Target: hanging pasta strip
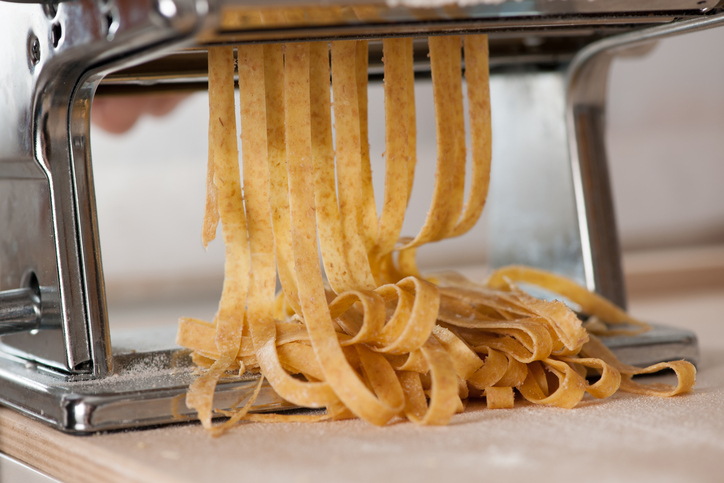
{"points": [[369, 216], [340, 375], [407, 262], [231, 207], [457, 129], [476, 77], [211, 211], [349, 162], [396, 146], [262, 273], [230, 316], [257, 192], [442, 84], [279, 199], [411, 116], [331, 241], [591, 303]]}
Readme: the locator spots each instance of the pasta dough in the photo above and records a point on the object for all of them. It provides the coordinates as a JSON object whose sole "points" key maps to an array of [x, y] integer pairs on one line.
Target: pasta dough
{"points": [[376, 340]]}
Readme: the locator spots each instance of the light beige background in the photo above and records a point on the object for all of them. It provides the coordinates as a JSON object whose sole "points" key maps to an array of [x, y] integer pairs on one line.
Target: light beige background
{"points": [[665, 126]]}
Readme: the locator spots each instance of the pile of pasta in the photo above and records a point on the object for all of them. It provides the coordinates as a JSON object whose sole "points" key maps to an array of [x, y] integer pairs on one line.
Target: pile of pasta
{"points": [[374, 339]]}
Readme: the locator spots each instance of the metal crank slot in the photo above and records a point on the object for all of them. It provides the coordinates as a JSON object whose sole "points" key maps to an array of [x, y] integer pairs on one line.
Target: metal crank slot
{"points": [[20, 311]]}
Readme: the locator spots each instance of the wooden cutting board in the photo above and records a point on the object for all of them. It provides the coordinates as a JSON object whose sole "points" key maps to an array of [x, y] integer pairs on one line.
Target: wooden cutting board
{"points": [[624, 437]]}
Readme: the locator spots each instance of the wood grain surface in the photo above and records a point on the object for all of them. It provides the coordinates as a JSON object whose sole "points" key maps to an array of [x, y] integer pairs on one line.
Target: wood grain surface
{"points": [[680, 439]]}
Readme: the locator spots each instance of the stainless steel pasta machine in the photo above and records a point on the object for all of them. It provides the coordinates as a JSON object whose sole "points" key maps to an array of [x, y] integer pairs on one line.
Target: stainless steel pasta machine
{"points": [[550, 57]]}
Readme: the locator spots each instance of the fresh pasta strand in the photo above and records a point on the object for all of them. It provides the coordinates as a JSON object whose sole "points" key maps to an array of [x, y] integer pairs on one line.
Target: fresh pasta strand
{"points": [[376, 340], [230, 317], [396, 146], [350, 178], [340, 274], [369, 216], [260, 301]]}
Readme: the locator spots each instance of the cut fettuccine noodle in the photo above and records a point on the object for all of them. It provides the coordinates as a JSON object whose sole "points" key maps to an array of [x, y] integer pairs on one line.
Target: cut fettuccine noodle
{"points": [[376, 340]]}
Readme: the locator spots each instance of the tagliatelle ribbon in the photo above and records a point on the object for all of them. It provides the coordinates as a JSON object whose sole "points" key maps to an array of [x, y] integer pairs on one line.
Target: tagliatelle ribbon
{"points": [[230, 317], [260, 303], [329, 222], [591, 304], [476, 77], [379, 341], [279, 185], [341, 375]]}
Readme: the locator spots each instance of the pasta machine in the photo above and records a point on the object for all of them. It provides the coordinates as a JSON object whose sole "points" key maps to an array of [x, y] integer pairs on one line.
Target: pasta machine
{"points": [[550, 59]]}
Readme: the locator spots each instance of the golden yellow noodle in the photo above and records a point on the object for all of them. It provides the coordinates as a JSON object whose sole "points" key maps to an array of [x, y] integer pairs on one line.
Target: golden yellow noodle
{"points": [[379, 341]]}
